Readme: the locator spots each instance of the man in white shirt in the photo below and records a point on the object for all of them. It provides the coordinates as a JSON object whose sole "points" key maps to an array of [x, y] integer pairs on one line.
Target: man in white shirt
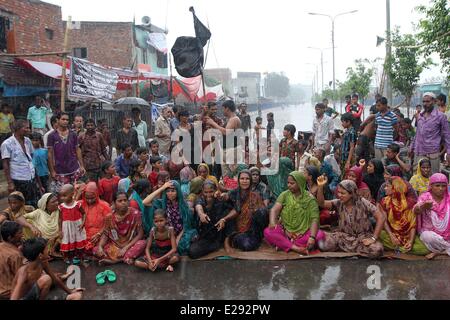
{"points": [[323, 128]]}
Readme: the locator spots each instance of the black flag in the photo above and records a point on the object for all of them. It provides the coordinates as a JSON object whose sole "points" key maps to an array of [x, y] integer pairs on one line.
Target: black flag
{"points": [[202, 33]]}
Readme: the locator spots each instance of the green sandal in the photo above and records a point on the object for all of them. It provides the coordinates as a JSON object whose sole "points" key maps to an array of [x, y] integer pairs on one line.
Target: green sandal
{"points": [[110, 275], [101, 278]]}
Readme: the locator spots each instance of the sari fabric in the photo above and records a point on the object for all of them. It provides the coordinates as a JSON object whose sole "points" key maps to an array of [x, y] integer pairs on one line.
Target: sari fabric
{"points": [[418, 181], [278, 182]]}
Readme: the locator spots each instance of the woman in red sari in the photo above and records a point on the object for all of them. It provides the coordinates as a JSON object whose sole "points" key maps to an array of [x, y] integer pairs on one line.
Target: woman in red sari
{"points": [[123, 238], [97, 212]]}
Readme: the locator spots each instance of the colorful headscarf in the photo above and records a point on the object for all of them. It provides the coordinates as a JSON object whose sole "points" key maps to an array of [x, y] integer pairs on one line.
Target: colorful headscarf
{"points": [[418, 181], [209, 176]]}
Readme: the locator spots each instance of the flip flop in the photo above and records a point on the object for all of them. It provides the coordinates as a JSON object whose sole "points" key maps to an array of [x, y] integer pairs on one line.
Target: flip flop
{"points": [[100, 278], [110, 275]]}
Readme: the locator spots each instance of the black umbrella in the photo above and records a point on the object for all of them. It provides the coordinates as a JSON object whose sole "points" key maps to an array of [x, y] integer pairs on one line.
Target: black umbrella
{"points": [[131, 101]]}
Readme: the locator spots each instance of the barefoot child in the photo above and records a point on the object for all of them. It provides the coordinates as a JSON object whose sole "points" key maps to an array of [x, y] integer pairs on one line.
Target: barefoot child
{"points": [[30, 283], [161, 250], [73, 232]]}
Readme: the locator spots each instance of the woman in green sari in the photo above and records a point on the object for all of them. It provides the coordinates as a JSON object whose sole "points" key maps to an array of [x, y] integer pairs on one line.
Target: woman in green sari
{"points": [[178, 214], [278, 182], [294, 219]]}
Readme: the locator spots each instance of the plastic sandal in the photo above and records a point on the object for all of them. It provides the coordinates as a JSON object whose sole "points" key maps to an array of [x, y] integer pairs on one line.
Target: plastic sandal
{"points": [[76, 261], [110, 275], [100, 278]]}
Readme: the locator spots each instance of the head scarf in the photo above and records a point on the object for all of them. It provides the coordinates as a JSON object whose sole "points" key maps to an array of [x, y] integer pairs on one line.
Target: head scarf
{"points": [[299, 213], [17, 195], [46, 222], [351, 187], [23, 209], [376, 179], [418, 181], [278, 182], [313, 161], [358, 171], [208, 177], [394, 170], [186, 174], [196, 188]]}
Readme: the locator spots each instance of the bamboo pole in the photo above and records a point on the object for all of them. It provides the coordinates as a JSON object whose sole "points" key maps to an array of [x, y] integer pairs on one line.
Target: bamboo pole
{"points": [[63, 73]]}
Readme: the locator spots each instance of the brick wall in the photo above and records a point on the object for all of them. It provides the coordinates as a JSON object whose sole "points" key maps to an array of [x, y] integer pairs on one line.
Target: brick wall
{"points": [[29, 19], [107, 43]]}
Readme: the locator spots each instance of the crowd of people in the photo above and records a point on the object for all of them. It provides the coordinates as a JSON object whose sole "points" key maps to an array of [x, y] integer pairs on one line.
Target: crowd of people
{"points": [[376, 186]]}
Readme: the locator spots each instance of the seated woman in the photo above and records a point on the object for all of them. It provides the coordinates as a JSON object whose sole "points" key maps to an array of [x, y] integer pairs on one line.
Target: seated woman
{"points": [[297, 229], [195, 191], [374, 177], [97, 213], [311, 174], [179, 216], [433, 209], [250, 213], [203, 172], [400, 227], [355, 174], [261, 188], [16, 211], [278, 182], [46, 220], [421, 179], [355, 232], [123, 238], [210, 211]]}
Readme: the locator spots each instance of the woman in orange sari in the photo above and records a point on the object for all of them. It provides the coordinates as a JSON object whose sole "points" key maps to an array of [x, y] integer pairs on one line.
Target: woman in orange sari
{"points": [[97, 213], [400, 227]]}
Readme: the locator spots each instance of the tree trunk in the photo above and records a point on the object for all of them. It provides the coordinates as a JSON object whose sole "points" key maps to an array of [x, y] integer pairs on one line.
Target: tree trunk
{"points": [[408, 104]]}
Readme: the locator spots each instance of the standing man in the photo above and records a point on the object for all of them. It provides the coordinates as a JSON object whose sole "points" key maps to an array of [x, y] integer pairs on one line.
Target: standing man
{"points": [[163, 132], [140, 126], [356, 109], [37, 115], [270, 126], [78, 125], [17, 155], [64, 155], [54, 125], [127, 135], [233, 124], [246, 124], [174, 122], [323, 129], [93, 150], [386, 122], [6, 122], [432, 129]]}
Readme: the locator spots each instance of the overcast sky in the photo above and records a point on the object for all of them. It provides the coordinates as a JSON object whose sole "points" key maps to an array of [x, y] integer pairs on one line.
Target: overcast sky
{"points": [[266, 35]]}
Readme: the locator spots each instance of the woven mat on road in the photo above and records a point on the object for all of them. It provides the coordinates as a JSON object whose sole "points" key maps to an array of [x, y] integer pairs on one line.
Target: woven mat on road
{"points": [[267, 253]]}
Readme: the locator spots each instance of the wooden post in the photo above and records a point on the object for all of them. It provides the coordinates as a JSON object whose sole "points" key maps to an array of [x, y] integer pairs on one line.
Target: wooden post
{"points": [[63, 75]]}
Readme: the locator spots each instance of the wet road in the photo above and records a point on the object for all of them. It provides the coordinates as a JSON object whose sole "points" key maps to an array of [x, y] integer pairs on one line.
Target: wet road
{"points": [[273, 280]]}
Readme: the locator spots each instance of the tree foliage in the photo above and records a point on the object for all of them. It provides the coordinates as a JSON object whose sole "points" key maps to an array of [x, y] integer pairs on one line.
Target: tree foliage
{"points": [[404, 66], [277, 85], [358, 80], [434, 31]]}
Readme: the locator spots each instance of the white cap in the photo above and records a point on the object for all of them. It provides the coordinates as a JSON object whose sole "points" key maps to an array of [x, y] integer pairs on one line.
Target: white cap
{"points": [[430, 94]]}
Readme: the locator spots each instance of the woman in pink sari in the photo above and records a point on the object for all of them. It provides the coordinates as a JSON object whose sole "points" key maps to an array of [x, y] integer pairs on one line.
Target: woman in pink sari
{"points": [[433, 208]]}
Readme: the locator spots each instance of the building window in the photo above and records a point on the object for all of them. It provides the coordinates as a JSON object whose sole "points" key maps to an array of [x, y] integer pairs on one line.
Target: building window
{"points": [[161, 60], [80, 53], [49, 33], [4, 29]]}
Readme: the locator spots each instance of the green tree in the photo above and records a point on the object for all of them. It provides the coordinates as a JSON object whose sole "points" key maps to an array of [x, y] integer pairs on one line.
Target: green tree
{"points": [[434, 31], [359, 79], [277, 85], [404, 67]]}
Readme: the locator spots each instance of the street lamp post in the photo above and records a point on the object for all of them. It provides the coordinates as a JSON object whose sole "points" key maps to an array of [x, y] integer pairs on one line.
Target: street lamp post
{"points": [[321, 62], [333, 18]]}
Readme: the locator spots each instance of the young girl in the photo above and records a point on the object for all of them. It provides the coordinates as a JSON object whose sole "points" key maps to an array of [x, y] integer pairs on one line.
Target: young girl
{"points": [[421, 179], [107, 186], [40, 160], [156, 163], [161, 250], [72, 226], [136, 171]]}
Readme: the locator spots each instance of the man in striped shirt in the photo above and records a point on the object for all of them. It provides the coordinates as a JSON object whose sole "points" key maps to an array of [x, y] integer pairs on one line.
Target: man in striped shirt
{"points": [[386, 121]]}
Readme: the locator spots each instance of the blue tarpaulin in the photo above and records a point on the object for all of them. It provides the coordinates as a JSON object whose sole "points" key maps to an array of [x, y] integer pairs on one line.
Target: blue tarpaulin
{"points": [[25, 91]]}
